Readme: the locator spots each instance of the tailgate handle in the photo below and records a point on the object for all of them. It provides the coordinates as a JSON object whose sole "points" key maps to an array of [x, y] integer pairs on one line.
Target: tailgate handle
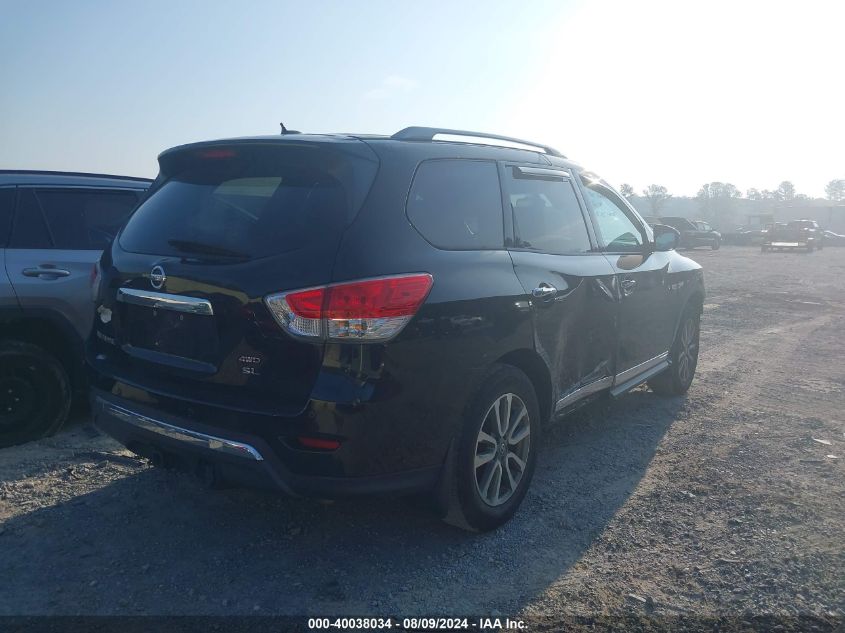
{"points": [[164, 301], [45, 269]]}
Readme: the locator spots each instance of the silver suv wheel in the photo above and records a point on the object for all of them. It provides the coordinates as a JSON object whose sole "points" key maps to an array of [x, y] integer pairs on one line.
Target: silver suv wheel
{"points": [[501, 450]]}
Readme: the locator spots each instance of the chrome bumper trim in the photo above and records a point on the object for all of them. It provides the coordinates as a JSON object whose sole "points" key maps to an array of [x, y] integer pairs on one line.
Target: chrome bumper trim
{"points": [[193, 438]]}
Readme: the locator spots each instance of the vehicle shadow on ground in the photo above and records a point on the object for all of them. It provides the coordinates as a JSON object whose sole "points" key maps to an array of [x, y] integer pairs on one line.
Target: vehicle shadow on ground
{"points": [[155, 542]]}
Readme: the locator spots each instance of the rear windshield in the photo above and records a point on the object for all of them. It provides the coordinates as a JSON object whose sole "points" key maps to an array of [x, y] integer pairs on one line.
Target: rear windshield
{"points": [[682, 224], [249, 202]]}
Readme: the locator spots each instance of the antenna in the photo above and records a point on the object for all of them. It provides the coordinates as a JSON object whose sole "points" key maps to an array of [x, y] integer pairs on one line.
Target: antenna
{"points": [[287, 131]]}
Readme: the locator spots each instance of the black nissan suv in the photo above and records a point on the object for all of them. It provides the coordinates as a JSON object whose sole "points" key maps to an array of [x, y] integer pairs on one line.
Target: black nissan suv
{"points": [[333, 315]]}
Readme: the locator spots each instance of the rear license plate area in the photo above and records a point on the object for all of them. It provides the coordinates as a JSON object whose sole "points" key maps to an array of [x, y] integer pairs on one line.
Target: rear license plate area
{"points": [[170, 332]]}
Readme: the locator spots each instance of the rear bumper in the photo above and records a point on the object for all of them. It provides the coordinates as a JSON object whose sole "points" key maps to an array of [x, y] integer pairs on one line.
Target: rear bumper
{"points": [[777, 244], [237, 459]]}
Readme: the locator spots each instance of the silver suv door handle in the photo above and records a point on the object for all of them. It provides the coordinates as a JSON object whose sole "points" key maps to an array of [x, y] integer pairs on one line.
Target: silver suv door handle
{"points": [[45, 270], [544, 291]]}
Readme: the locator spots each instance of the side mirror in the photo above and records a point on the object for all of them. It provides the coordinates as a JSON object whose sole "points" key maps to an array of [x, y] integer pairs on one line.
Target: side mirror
{"points": [[666, 238]]}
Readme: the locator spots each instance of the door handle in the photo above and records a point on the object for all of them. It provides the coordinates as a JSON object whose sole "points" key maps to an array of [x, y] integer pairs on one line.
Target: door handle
{"points": [[628, 286], [544, 291], [45, 270]]}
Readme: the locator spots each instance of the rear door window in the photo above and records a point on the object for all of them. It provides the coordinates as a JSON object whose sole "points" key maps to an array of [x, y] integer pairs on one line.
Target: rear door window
{"points": [[547, 216], [457, 204], [7, 208], [85, 219]]}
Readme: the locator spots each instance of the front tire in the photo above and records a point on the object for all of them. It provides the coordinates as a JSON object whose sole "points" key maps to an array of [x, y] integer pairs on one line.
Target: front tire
{"points": [[34, 393], [494, 458], [715, 245], [683, 357]]}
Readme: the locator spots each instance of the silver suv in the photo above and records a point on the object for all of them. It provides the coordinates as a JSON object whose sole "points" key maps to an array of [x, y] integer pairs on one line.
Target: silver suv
{"points": [[53, 228]]}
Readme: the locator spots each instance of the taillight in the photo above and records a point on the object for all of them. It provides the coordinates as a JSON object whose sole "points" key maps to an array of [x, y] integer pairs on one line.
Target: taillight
{"points": [[369, 310]]}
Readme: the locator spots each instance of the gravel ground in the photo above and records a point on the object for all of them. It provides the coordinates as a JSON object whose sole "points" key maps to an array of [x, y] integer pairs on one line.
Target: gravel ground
{"points": [[728, 501]]}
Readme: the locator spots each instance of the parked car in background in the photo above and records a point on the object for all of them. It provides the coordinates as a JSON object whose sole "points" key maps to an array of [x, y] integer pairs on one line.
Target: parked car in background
{"points": [[53, 228], [693, 233], [335, 314], [707, 235], [833, 239], [745, 235], [796, 234]]}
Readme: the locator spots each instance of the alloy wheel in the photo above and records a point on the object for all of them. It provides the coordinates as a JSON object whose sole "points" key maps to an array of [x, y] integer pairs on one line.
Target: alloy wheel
{"points": [[688, 352], [501, 449]]}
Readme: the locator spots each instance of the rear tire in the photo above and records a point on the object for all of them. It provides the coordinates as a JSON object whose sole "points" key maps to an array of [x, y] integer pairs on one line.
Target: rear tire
{"points": [[683, 357], [34, 393], [715, 245], [491, 465]]}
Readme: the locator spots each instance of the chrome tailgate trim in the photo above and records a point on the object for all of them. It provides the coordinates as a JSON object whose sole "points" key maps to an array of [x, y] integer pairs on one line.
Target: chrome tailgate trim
{"points": [[179, 303]]}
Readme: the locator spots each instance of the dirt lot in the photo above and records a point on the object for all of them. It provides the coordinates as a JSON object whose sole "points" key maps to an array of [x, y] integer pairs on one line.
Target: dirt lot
{"points": [[730, 500]]}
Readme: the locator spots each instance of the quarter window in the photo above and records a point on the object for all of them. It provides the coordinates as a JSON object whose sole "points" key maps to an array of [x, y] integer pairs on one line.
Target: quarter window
{"points": [[457, 204], [618, 232], [546, 214]]}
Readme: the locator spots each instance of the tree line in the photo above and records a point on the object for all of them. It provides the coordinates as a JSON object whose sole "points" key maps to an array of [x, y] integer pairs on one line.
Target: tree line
{"points": [[713, 195]]}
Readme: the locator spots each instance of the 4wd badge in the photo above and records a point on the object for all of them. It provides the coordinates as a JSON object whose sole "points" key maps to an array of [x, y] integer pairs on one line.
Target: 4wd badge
{"points": [[249, 365]]}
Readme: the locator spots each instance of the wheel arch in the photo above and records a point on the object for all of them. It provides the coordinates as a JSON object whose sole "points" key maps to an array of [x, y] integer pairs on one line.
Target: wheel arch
{"points": [[56, 336], [532, 365], [695, 299]]}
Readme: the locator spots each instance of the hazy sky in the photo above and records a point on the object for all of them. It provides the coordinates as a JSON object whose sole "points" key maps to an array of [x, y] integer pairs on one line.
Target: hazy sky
{"points": [[675, 93]]}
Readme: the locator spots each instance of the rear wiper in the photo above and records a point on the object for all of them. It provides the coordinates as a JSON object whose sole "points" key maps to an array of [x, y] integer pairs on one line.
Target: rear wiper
{"points": [[189, 246]]}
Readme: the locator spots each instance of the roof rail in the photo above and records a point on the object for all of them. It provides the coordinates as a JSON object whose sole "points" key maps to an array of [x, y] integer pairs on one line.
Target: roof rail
{"points": [[428, 134]]}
